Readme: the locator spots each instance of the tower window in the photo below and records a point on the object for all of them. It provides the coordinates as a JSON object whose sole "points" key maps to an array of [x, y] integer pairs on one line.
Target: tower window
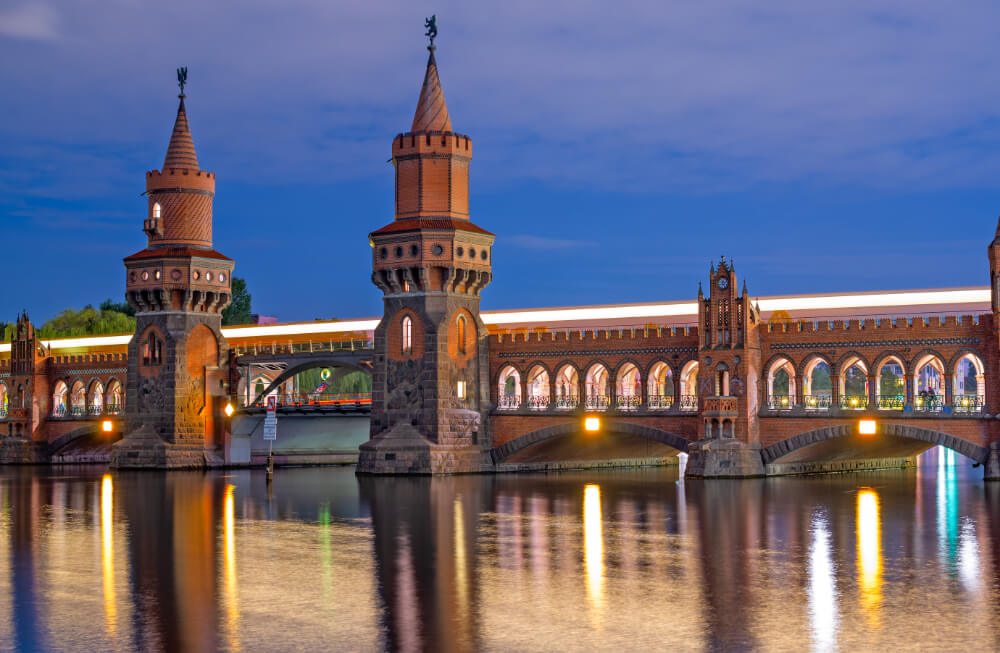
{"points": [[152, 350], [460, 332], [156, 210], [407, 334]]}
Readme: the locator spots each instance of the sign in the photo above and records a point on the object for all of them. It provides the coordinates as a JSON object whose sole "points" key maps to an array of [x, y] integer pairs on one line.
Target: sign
{"points": [[271, 426], [321, 387], [272, 404]]}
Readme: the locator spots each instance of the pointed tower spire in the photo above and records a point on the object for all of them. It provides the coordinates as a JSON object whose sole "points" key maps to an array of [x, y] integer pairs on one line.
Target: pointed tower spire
{"points": [[180, 152], [432, 111]]}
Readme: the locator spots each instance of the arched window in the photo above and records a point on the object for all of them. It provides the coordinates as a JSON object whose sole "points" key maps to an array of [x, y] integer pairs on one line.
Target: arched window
{"points": [[114, 399], [538, 388], [817, 390], [596, 387], [854, 384], [689, 386], [929, 386], [3, 400], [781, 385], [96, 404], [968, 386], [567, 382], [509, 389], [890, 385], [660, 386], [59, 396], [78, 399], [629, 388], [156, 210], [460, 333], [152, 350], [407, 334]]}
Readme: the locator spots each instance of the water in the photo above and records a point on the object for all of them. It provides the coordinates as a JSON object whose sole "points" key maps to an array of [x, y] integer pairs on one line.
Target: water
{"points": [[610, 560]]}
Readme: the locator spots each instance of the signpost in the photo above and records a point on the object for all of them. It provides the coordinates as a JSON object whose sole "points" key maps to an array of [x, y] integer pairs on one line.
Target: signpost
{"points": [[271, 433]]}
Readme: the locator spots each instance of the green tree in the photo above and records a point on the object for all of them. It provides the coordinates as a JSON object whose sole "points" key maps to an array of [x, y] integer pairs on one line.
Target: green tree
{"points": [[238, 311], [118, 307], [87, 321]]}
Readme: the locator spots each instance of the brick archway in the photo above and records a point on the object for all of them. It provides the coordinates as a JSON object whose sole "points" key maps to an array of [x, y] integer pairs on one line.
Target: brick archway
{"points": [[781, 449], [508, 449]]}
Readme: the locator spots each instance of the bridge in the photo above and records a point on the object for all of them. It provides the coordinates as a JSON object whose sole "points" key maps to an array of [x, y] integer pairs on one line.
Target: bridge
{"points": [[746, 385]]}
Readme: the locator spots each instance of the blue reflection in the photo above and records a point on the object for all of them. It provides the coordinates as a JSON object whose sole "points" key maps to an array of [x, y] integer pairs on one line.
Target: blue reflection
{"points": [[947, 506]]}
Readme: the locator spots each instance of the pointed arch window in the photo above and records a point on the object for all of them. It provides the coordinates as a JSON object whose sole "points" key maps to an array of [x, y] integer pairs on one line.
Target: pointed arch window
{"points": [[460, 332], [156, 210], [152, 350], [407, 327]]}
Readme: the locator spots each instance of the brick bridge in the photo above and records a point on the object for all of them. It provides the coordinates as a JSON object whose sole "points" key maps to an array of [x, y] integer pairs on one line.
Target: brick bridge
{"points": [[745, 385]]}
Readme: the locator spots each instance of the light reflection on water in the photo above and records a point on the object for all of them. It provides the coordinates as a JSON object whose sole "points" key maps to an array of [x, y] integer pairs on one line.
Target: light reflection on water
{"points": [[610, 560]]}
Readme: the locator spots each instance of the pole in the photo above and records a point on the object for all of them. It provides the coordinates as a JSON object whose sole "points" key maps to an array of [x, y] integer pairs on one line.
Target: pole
{"points": [[270, 461]]}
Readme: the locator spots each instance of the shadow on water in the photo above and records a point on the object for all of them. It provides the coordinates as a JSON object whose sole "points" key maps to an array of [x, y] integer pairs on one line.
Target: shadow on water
{"points": [[608, 560]]}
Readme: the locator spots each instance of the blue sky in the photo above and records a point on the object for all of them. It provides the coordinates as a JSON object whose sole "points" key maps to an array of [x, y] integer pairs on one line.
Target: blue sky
{"points": [[619, 147]]}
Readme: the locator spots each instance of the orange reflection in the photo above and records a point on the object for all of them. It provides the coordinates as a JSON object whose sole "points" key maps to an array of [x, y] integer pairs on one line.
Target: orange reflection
{"points": [[229, 567], [461, 564], [108, 554], [869, 529], [593, 540]]}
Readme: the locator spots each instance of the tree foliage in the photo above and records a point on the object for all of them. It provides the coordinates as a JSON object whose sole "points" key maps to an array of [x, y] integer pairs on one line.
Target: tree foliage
{"points": [[87, 321], [238, 311]]}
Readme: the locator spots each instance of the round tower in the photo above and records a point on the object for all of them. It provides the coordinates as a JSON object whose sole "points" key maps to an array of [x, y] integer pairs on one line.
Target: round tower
{"points": [[179, 286], [430, 390]]}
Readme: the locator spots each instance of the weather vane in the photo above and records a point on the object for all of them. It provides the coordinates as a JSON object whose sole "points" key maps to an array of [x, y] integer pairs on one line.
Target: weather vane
{"points": [[182, 77], [432, 28]]}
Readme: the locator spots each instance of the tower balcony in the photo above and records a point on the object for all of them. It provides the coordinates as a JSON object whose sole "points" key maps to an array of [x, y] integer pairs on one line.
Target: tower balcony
{"points": [[719, 407]]}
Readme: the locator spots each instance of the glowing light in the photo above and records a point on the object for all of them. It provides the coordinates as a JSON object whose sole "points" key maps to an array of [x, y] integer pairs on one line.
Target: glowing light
{"points": [[107, 426], [229, 410], [784, 401], [822, 586], [460, 390], [593, 540], [461, 563], [869, 528], [325, 373], [300, 328], [592, 424], [866, 427], [229, 568], [108, 554]]}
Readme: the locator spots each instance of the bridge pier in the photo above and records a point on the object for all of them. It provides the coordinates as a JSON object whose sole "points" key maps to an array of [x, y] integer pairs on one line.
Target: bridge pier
{"points": [[991, 468], [724, 458]]}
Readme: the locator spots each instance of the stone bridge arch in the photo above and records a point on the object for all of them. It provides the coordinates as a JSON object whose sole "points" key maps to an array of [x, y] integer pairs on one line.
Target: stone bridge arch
{"points": [[81, 433], [508, 449], [790, 445]]}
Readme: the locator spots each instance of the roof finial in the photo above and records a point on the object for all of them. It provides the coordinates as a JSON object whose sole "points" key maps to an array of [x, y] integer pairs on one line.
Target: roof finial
{"points": [[182, 77], [432, 30]]}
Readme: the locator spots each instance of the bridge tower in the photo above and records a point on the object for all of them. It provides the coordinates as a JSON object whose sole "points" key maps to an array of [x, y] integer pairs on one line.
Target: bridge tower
{"points": [[728, 369], [992, 467], [178, 285], [27, 389], [430, 391]]}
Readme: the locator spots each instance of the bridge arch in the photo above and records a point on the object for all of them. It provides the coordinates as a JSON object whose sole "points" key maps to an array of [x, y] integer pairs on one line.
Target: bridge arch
{"points": [[508, 449], [313, 363], [90, 430], [790, 445], [777, 367]]}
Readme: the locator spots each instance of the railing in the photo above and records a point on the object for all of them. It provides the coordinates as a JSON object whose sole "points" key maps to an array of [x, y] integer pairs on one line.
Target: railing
{"points": [[95, 410], [627, 402], [59, 411], [312, 399], [538, 402], [114, 409], [689, 403], [597, 402], [928, 404], [567, 402], [304, 347], [77, 411], [659, 402], [781, 403], [968, 403], [508, 402], [891, 402], [817, 402], [3, 411], [854, 402]]}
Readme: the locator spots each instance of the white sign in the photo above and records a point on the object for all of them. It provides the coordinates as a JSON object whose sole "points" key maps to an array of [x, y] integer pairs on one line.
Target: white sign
{"points": [[271, 426]]}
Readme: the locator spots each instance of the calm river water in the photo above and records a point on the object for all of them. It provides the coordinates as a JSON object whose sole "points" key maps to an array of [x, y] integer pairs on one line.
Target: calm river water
{"points": [[610, 560]]}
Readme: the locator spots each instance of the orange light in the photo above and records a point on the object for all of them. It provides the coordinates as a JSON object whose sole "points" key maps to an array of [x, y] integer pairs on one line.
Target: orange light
{"points": [[228, 410], [866, 427], [107, 426], [592, 424]]}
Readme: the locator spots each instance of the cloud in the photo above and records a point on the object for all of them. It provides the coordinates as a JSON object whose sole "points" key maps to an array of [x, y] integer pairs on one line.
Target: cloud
{"points": [[541, 242], [34, 22]]}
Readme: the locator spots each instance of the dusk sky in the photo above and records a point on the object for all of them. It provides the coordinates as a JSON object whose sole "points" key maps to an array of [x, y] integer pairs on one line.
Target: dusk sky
{"points": [[619, 148]]}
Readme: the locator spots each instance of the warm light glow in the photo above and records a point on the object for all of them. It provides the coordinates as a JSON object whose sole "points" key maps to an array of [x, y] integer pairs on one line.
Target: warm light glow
{"points": [[822, 586], [866, 427], [229, 410], [229, 568], [593, 540], [107, 426], [869, 528], [108, 554], [460, 390], [592, 424]]}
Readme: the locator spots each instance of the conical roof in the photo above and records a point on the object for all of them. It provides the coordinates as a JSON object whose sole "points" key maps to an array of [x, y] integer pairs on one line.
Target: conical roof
{"points": [[432, 112], [180, 152]]}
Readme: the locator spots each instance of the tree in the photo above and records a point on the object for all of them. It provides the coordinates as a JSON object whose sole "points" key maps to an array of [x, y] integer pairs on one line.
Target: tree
{"points": [[238, 311], [87, 321], [118, 307]]}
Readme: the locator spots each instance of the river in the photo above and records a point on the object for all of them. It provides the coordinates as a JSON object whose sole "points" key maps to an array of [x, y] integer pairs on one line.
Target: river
{"points": [[590, 560]]}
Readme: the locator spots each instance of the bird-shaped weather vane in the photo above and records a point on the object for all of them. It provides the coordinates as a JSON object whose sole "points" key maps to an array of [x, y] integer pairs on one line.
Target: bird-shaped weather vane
{"points": [[182, 77], [432, 29]]}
